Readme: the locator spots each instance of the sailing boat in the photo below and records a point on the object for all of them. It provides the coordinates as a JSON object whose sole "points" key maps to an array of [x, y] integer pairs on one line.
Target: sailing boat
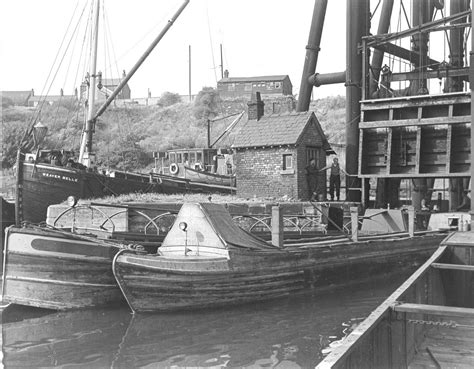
{"points": [[59, 269], [51, 176]]}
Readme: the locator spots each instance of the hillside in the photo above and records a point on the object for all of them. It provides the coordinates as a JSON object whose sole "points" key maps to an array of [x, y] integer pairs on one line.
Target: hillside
{"points": [[126, 136]]}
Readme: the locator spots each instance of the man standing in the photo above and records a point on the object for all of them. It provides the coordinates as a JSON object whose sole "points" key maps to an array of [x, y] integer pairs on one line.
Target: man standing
{"points": [[312, 173], [334, 178]]}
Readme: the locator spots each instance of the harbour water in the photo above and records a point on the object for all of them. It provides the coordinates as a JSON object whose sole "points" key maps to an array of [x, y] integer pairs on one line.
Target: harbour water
{"points": [[293, 332]]}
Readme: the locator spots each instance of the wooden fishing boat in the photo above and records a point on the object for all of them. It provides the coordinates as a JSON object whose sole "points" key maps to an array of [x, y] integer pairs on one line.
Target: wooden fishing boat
{"points": [[43, 184], [426, 323], [45, 177], [207, 261]]}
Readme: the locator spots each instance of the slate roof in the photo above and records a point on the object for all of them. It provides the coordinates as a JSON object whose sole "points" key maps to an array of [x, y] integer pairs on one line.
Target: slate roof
{"points": [[276, 130], [254, 79]]}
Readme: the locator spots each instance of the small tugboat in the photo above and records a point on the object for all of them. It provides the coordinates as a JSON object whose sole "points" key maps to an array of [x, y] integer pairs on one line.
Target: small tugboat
{"points": [[427, 322], [206, 261], [202, 165]]}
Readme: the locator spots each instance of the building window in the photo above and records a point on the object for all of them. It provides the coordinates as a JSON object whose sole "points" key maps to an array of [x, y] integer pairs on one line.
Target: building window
{"points": [[231, 86], [172, 157], [248, 87], [179, 158], [287, 161], [277, 84]]}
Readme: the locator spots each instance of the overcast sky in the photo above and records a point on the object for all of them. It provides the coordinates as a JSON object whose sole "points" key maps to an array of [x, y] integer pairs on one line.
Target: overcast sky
{"points": [[259, 37]]}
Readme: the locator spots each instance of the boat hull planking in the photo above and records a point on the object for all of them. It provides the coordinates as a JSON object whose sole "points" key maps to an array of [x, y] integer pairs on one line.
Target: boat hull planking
{"points": [[163, 283], [55, 271]]}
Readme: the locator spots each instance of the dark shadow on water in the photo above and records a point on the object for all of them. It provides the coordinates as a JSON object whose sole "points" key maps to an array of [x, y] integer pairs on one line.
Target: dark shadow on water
{"points": [[289, 332]]}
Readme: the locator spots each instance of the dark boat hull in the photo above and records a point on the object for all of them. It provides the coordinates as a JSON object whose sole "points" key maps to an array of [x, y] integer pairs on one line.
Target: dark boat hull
{"points": [[159, 283], [44, 184], [53, 270]]}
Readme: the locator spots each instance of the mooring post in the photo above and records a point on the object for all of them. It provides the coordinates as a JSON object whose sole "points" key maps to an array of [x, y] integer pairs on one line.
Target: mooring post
{"points": [[277, 226], [411, 221], [354, 222]]}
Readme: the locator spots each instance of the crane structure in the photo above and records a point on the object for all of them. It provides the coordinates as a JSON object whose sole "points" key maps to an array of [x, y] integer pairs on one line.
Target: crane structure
{"points": [[408, 97]]}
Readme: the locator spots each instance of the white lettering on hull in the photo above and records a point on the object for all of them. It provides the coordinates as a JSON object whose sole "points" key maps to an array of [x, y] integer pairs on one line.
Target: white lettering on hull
{"points": [[58, 176]]}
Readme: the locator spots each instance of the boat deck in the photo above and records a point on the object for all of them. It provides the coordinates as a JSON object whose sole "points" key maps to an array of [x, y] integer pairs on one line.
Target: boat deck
{"points": [[447, 346]]}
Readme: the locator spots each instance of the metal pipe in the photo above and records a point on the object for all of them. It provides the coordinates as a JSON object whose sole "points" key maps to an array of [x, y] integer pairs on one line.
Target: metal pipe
{"points": [[312, 52], [357, 19], [318, 79], [377, 58], [471, 84], [454, 84]]}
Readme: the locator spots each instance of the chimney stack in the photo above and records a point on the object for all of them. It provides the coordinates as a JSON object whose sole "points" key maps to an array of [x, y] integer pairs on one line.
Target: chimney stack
{"points": [[255, 107], [226, 74]]}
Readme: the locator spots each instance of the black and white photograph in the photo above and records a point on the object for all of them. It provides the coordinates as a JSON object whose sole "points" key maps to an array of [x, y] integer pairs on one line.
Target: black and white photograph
{"points": [[237, 184]]}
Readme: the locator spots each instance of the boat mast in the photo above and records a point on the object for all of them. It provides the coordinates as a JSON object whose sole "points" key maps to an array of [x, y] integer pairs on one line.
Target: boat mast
{"points": [[85, 153], [139, 62]]}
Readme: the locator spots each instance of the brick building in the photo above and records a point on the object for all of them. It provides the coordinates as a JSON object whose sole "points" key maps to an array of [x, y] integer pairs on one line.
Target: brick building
{"points": [[272, 152], [234, 87]]}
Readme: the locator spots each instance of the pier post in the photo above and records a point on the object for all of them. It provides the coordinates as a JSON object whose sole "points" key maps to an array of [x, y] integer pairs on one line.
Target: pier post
{"points": [[277, 226], [354, 222], [411, 221]]}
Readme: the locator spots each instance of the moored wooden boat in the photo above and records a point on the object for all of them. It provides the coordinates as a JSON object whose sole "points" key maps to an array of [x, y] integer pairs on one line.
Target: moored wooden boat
{"points": [[57, 270], [426, 323], [207, 261]]}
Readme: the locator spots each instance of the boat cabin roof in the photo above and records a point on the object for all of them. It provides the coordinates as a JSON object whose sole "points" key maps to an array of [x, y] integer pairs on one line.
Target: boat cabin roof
{"points": [[210, 225]]}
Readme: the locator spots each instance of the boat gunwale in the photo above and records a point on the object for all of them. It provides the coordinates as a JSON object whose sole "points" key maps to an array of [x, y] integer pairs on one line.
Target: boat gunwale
{"points": [[370, 323]]}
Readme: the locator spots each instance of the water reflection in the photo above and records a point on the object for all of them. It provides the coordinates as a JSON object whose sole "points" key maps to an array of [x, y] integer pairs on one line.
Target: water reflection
{"points": [[286, 333]]}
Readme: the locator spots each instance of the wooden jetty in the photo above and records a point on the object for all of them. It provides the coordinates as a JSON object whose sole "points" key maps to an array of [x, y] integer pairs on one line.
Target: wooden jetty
{"points": [[207, 261], [426, 323]]}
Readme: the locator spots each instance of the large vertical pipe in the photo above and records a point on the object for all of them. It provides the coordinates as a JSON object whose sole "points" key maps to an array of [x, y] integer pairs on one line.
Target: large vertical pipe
{"points": [[357, 18], [471, 84], [422, 12], [377, 58], [312, 52], [454, 84]]}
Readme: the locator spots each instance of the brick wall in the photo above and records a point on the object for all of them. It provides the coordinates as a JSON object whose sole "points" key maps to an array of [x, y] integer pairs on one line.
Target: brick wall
{"points": [[260, 173]]}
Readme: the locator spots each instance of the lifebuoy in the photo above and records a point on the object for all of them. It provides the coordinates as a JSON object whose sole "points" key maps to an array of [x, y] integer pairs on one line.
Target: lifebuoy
{"points": [[198, 166], [174, 169]]}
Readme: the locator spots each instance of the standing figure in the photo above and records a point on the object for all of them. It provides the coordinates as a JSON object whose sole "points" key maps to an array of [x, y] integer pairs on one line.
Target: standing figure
{"points": [[335, 178], [312, 174]]}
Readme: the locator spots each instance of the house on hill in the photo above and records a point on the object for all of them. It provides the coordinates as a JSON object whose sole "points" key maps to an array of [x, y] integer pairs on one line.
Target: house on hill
{"points": [[272, 153], [52, 99], [18, 98], [107, 86], [234, 87]]}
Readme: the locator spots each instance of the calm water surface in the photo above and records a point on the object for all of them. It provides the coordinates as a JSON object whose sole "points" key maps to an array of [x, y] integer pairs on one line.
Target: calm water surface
{"points": [[286, 333]]}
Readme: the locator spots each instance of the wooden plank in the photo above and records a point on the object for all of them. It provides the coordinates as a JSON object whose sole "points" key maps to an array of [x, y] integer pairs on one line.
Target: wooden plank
{"points": [[364, 329], [448, 144], [389, 150], [468, 268], [435, 310], [415, 122], [418, 149]]}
